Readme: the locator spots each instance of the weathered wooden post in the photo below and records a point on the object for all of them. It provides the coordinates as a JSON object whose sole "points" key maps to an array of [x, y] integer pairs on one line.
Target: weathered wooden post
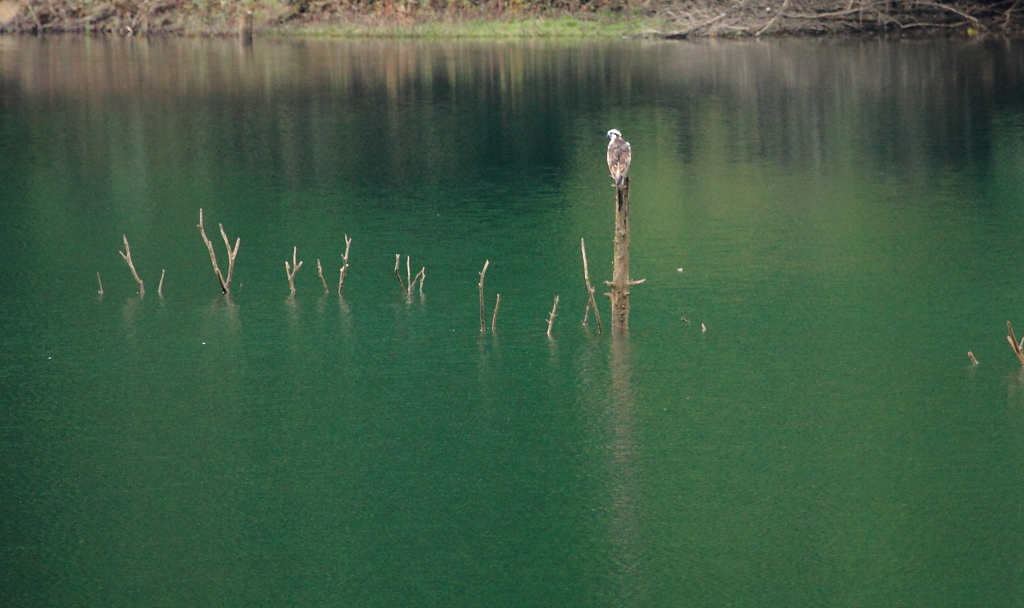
{"points": [[621, 282]]}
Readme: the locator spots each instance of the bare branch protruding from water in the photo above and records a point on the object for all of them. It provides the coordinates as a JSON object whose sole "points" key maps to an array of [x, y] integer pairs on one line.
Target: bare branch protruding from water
{"points": [[344, 266], [225, 282], [1018, 347], [410, 281], [551, 317], [419, 277], [398, 259], [483, 272], [590, 292], [494, 318], [127, 255], [291, 270], [320, 271]]}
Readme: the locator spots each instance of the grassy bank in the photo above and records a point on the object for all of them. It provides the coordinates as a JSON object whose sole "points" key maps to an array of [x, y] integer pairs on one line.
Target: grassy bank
{"points": [[517, 18], [560, 26]]}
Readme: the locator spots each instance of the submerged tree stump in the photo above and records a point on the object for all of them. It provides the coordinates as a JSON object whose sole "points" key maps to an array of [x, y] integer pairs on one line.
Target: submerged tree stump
{"points": [[621, 282]]}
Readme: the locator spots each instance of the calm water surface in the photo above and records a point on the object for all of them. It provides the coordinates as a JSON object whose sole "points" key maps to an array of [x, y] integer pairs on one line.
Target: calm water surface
{"points": [[843, 217]]}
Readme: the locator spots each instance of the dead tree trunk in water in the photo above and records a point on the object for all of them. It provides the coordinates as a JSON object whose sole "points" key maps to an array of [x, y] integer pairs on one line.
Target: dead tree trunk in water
{"points": [[621, 282]]}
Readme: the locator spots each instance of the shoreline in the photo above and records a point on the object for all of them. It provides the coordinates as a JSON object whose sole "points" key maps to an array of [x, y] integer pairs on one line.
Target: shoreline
{"points": [[508, 20]]}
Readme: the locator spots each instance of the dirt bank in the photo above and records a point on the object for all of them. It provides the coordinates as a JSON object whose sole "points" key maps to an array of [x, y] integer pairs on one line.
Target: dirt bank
{"points": [[505, 18]]}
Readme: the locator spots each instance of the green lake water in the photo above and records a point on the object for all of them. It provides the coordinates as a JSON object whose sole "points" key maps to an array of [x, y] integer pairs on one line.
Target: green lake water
{"points": [[843, 217]]}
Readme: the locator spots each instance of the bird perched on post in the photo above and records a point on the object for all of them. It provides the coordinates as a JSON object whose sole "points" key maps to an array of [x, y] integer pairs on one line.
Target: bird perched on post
{"points": [[619, 156]]}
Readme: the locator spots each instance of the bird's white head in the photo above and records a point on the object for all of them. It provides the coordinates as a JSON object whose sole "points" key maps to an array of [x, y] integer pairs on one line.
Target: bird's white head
{"points": [[614, 134]]}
